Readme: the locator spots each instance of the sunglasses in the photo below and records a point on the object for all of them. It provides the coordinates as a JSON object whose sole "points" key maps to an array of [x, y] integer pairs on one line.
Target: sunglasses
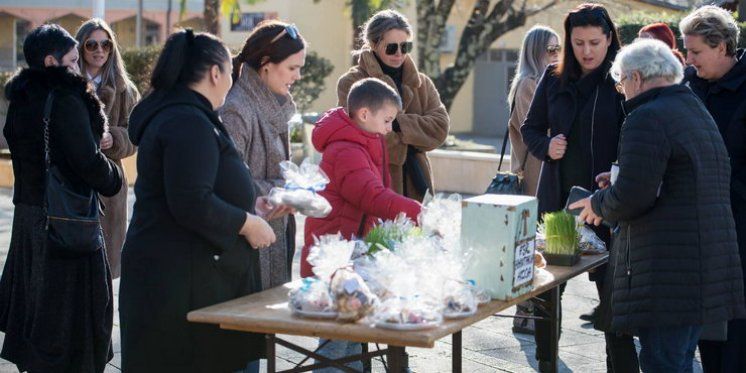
{"points": [[554, 49], [290, 30], [92, 45], [405, 47]]}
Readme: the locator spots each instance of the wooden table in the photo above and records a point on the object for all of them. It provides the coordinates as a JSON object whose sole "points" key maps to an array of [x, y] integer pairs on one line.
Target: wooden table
{"points": [[267, 312]]}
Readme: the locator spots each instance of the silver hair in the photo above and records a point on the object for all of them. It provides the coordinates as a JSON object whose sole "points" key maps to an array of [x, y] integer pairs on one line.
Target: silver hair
{"points": [[379, 24], [532, 57], [714, 25], [651, 58]]}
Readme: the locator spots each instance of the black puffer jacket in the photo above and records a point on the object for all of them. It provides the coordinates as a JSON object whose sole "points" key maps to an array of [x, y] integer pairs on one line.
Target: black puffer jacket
{"points": [[677, 257]]}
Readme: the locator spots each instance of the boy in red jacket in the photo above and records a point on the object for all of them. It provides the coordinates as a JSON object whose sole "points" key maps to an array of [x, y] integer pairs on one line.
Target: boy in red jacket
{"points": [[354, 157]]}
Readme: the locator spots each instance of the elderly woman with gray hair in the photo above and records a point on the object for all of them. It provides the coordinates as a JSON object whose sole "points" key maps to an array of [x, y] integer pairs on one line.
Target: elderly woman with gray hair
{"points": [[676, 266], [718, 76]]}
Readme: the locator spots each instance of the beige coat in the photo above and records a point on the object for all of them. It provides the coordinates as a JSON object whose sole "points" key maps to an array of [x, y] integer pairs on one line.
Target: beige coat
{"points": [[118, 103], [257, 121], [518, 152], [423, 121]]}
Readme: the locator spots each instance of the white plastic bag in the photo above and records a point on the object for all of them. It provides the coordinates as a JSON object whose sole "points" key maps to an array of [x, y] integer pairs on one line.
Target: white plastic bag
{"points": [[302, 185]]}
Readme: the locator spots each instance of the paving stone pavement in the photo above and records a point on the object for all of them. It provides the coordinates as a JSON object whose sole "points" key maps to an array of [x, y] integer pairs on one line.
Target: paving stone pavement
{"points": [[489, 346]]}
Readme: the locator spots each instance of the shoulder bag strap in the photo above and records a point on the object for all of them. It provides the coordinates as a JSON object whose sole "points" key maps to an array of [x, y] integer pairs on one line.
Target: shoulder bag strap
{"points": [[47, 120]]}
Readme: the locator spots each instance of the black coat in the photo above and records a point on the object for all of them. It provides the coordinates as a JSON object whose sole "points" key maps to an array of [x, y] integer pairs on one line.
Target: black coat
{"points": [[183, 251], [725, 99], [555, 108], [56, 309], [677, 259]]}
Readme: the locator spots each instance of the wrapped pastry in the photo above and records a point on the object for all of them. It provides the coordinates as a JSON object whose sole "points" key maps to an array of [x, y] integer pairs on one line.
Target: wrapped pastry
{"points": [[311, 297], [352, 297], [407, 314], [302, 185]]}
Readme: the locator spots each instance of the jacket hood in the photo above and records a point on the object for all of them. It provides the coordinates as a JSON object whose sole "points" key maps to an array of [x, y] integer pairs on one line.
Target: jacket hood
{"points": [[335, 126], [651, 94], [146, 110]]}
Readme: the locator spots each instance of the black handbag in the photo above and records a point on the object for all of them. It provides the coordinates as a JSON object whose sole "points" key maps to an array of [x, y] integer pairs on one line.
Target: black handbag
{"points": [[506, 182], [72, 218]]}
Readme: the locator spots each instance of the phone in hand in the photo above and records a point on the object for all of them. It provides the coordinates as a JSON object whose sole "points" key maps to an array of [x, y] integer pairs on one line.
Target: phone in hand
{"points": [[576, 194]]}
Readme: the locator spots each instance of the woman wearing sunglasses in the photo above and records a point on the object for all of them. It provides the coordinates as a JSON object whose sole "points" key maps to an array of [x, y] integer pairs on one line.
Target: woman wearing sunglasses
{"points": [[101, 62], [423, 123], [577, 103], [256, 115]]}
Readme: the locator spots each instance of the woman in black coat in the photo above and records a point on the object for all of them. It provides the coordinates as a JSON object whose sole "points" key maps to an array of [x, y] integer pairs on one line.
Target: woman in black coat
{"points": [[56, 307], [577, 103], [718, 77], [192, 239]]}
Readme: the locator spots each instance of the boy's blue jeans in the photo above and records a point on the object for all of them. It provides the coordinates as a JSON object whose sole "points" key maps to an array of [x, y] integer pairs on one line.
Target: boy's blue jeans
{"points": [[668, 349], [337, 350]]}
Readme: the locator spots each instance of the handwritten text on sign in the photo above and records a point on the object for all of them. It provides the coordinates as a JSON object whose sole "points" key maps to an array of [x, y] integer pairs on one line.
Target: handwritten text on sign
{"points": [[524, 262]]}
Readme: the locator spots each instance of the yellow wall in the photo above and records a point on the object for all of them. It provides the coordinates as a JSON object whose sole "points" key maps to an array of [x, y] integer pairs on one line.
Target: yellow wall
{"points": [[70, 22], [7, 39]]}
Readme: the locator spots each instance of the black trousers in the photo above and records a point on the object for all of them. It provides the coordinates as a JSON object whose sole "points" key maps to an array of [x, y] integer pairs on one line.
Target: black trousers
{"points": [[728, 356], [621, 355]]}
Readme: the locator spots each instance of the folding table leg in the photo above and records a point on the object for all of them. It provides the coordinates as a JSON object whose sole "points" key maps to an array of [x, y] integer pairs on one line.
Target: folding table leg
{"points": [[367, 361], [554, 322], [456, 353], [270, 353], [397, 359]]}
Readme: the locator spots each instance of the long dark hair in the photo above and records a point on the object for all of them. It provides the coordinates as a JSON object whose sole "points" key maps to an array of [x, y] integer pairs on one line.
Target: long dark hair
{"points": [[186, 58], [582, 16], [265, 45]]}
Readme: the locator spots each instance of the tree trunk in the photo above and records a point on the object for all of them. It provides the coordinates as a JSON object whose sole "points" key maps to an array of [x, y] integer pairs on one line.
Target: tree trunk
{"points": [[741, 10], [482, 29], [168, 18], [212, 16]]}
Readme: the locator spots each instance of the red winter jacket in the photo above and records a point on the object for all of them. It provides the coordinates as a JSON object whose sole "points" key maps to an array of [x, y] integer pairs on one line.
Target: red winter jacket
{"points": [[356, 163]]}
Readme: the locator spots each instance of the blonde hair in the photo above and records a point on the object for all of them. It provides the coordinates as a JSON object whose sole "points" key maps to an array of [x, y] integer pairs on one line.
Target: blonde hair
{"points": [[714, 25], [532, 57], [113, 72]]}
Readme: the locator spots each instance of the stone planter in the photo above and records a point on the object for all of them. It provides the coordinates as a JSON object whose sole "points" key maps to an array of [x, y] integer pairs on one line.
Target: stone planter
{"points": [[464, 172]]}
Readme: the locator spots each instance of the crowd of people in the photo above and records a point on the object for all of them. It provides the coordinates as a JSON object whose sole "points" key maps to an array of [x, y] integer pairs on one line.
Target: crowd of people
{"points": [[212, 130]]}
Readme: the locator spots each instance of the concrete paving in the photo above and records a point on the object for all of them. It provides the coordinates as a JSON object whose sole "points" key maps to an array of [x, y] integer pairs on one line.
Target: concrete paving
{"points": [[489, 346]]}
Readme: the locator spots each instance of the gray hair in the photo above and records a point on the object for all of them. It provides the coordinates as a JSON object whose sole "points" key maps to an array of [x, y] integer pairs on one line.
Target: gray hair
{"points": [[714, 25], [651, 58], [532, 57], [379, 24]]}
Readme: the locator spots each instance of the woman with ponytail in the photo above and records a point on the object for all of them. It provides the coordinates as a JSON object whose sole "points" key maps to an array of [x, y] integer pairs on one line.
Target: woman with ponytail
{"points": [[256, 115], [197, 221]]}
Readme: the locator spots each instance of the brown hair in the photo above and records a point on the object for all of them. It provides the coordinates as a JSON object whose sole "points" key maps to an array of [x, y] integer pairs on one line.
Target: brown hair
{"points": [[265, 44], [113, 71]]}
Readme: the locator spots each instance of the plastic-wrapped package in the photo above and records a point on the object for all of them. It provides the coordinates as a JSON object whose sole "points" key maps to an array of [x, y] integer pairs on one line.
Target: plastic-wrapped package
{"points": [[589, 241], [480, 294], [441, 216], [329, 253], [312, 299], [407, 314], [459, 300], [302, 185], [352, 297]]}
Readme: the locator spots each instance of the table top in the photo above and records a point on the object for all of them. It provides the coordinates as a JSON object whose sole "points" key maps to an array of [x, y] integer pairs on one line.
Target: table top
{"points": [[268, 312]]}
